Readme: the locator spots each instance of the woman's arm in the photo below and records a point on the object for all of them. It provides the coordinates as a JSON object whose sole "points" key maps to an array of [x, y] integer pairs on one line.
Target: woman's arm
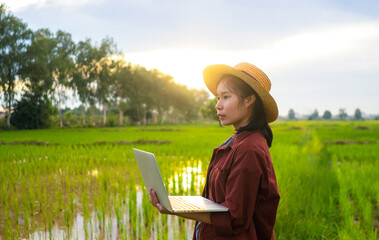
{"points": [[204, 217]]}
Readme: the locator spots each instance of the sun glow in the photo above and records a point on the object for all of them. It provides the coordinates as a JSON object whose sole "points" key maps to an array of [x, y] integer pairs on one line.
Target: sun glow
{"points": [[186, 65]]}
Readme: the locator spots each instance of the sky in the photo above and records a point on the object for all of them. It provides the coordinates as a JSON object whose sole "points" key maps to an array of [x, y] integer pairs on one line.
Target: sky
{"points": [[318, 54]]}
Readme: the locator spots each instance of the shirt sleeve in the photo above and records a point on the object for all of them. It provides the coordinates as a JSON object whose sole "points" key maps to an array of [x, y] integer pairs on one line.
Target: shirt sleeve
{"points": [[241, 190]]}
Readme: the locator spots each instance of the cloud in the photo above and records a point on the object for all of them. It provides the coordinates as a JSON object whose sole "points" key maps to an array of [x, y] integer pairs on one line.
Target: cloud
{"points": [[20, 5], [316, 45], [320, 67], [327, 42], [331, 68]]}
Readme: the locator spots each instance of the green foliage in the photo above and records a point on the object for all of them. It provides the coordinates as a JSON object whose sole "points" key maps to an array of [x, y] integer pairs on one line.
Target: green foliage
{"points": [[40, 63], [208, 111], [112, 120], [314, 115], [68, 118], [342, 115], [51, 64], [357, 114], [327, 115], [14, 40], [32, 112], [291, 114], [3, 123]]}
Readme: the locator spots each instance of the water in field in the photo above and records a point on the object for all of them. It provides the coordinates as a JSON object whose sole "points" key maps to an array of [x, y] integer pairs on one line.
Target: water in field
{"points": [[71, 184], [125, 215], [90, 228]]}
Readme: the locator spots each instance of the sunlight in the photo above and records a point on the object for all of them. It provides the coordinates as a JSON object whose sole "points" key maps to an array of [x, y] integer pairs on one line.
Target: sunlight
{"points": [[186, 65]]}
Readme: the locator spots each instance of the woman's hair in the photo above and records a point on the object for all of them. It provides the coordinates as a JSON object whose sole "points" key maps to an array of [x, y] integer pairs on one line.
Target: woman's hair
{"points": [[258, 117]]}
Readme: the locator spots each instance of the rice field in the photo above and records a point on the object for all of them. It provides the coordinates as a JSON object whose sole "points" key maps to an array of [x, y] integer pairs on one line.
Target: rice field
{"points": [[83, 183]]}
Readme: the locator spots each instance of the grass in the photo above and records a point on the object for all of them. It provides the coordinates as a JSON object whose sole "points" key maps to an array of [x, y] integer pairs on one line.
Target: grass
{"points": [[326, 174]]}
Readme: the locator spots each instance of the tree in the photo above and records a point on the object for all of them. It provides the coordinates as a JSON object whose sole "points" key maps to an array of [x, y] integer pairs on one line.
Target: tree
{"points": [[208, 111], [50, 65], [84, 75], [357, 114], [14, 40], [166, 89], [342, 115], [39, 63], [141, 89], [104, 84], [183, 104], [291, 114], [327, 115], [200, 98], [32, 112], [121, 76], [314, 115], [47, 65], [63, 68], [102, 72]]}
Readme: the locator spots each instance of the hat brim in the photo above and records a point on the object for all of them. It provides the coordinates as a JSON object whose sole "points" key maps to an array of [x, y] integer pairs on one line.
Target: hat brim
{"points": [[213, 74]]}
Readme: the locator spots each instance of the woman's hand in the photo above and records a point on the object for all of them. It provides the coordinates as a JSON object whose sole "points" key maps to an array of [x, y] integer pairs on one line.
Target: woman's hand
{"points": [[204, 217], [155, 202]]}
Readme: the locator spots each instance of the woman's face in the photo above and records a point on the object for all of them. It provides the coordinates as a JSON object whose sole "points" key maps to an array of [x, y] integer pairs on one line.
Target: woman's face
{"points": [[231, 110]]}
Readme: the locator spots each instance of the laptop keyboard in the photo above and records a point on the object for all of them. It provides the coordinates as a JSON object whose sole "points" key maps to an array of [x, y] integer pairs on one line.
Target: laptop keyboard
{"points": [[180, 204]]}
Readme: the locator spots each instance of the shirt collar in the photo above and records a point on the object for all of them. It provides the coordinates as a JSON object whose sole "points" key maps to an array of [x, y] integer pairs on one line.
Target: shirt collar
{"points": [[233, 140]]}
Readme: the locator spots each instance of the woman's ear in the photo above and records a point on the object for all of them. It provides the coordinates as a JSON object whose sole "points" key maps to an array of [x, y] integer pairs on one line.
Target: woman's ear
{"points": [[250, 100]]}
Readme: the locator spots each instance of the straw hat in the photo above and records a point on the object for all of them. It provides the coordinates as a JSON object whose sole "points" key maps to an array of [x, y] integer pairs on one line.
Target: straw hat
{"points": [[250, 74]]}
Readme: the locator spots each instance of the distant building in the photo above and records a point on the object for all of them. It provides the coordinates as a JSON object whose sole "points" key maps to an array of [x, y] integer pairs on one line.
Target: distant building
{"points": [[2, 115]]}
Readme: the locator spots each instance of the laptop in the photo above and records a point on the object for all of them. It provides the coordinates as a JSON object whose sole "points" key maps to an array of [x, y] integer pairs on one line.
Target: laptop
{"points": [[152, 178]]}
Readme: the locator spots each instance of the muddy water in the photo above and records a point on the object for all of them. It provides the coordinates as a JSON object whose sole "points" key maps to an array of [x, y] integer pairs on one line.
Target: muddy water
{"points": [[104, 215], [92, 229]]}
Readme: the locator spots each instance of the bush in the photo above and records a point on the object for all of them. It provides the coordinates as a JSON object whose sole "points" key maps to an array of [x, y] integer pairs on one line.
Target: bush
{"points": [[3, 123], [32, 112], [112, 120]]}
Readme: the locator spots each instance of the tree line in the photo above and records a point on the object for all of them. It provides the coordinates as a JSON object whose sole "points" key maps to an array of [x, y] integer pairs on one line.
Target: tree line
{"points": [[327, 115], [42, 70]]}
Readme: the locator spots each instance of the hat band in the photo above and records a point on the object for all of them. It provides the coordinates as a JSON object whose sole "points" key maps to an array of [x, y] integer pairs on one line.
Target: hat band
{"points": [[248, 75], [260, 83]]}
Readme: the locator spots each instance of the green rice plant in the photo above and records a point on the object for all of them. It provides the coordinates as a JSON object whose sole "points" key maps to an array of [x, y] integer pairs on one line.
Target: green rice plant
{"points": [[31, 198], [25, 205], [8, 230], [85, 208], [358, 164], [4, 192], [326, 173], [15, 208], [72, 203], [134, 214], [67, 218], [163, 223], [50, 227], [43, 207], [304, 178], [118, 211]]}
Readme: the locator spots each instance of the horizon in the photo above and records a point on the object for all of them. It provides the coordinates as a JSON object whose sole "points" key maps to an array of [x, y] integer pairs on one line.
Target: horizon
{"points": [[298, 115]]}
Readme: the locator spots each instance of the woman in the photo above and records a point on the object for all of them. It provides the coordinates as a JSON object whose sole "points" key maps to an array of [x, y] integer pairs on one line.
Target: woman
{"points": [[240, 175]]}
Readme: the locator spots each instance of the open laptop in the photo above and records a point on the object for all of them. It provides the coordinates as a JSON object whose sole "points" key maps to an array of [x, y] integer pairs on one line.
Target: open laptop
{"points": [[152, 178]]}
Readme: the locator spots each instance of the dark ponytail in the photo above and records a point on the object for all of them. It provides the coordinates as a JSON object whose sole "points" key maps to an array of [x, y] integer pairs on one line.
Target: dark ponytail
{"points": [[258, 122]]}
